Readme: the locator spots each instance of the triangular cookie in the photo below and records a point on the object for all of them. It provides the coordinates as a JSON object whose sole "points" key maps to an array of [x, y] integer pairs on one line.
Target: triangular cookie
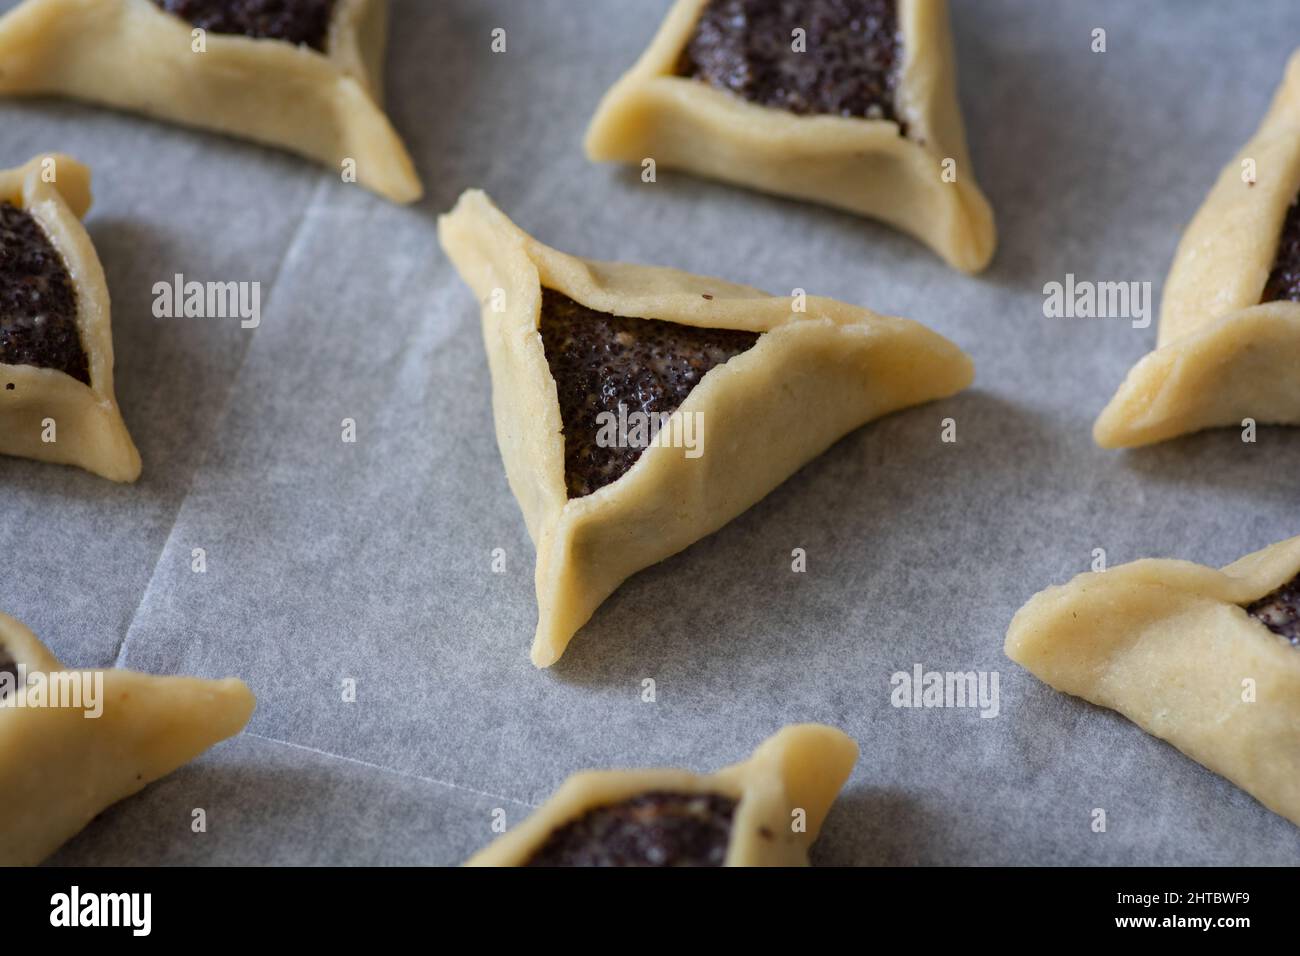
{"points": [[308, 80], [864, 119], [766, 811], [56, 339], [1228, 347], [1207, 660], [798, 381], [62, 765]]}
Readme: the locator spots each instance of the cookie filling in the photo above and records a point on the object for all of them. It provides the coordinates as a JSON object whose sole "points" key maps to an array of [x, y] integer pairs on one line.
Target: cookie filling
{"points": [[1284, 278], [1280, 611], [8, 666], [302, 22], [846, 62], [38, 304], [600, 361], [654, 829]]}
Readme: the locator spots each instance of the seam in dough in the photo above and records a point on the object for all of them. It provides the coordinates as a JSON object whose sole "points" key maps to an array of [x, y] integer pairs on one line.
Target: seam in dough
{"points": [[90, 432], [133, 55], [61, 769], [811, 378], [862, 165], [1221, 356], [802, 766], [1168, 644]]}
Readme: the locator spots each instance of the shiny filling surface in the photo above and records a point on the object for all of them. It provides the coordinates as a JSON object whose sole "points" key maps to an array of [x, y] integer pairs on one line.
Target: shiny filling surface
{"points": [[657, 828], [846, 61], [1280, 611], [38, 304], [302, 22], [600, 361]]}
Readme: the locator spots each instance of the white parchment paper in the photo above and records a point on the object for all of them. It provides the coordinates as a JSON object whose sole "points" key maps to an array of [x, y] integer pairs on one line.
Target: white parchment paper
{"points": [[372, 561]]}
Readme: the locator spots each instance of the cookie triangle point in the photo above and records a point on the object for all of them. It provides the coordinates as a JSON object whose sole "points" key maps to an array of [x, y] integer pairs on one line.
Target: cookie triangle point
{"points": [[57, 402], [1228, 347], [1206, 659], [765, 811], [312, 85], [74, 742], [852, 105], [744, 388]]}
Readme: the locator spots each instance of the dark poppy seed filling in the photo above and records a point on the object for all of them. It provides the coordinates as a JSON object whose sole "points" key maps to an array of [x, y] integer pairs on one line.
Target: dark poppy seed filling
{"points": [[38, 304], [7, 666], [1284, 278], [654, 829], [1280, 611], [850, 64], [600, 360], [303, 22]]}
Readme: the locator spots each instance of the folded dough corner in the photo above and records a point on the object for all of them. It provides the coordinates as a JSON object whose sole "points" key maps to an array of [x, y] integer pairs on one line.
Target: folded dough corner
{"points": [[57, 402], [63, 764], [136, 55], [1228, 347], [765, 811], [1206, 659], [894, 149], [782, 385]]}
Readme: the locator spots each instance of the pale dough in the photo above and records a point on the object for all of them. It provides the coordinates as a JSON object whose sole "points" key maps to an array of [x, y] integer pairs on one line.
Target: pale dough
{"points": [[88, 427], [1221, 357], [861, 165], [812, 378], [802, 767], [60, 769], [1169, 645], [134, 55]]}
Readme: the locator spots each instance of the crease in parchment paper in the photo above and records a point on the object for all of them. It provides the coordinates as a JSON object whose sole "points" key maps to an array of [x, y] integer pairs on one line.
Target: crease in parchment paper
{"points": [[312, 209], [448, 784], [219, 418]]}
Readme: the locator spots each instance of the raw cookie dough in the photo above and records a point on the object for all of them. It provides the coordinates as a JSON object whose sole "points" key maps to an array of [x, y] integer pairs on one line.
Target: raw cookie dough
{"points": [[720, 93], [1190, 654], [766, 811], [135, 55], [812, 377], [61, 767], [1228, 346], [55, 366]]}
